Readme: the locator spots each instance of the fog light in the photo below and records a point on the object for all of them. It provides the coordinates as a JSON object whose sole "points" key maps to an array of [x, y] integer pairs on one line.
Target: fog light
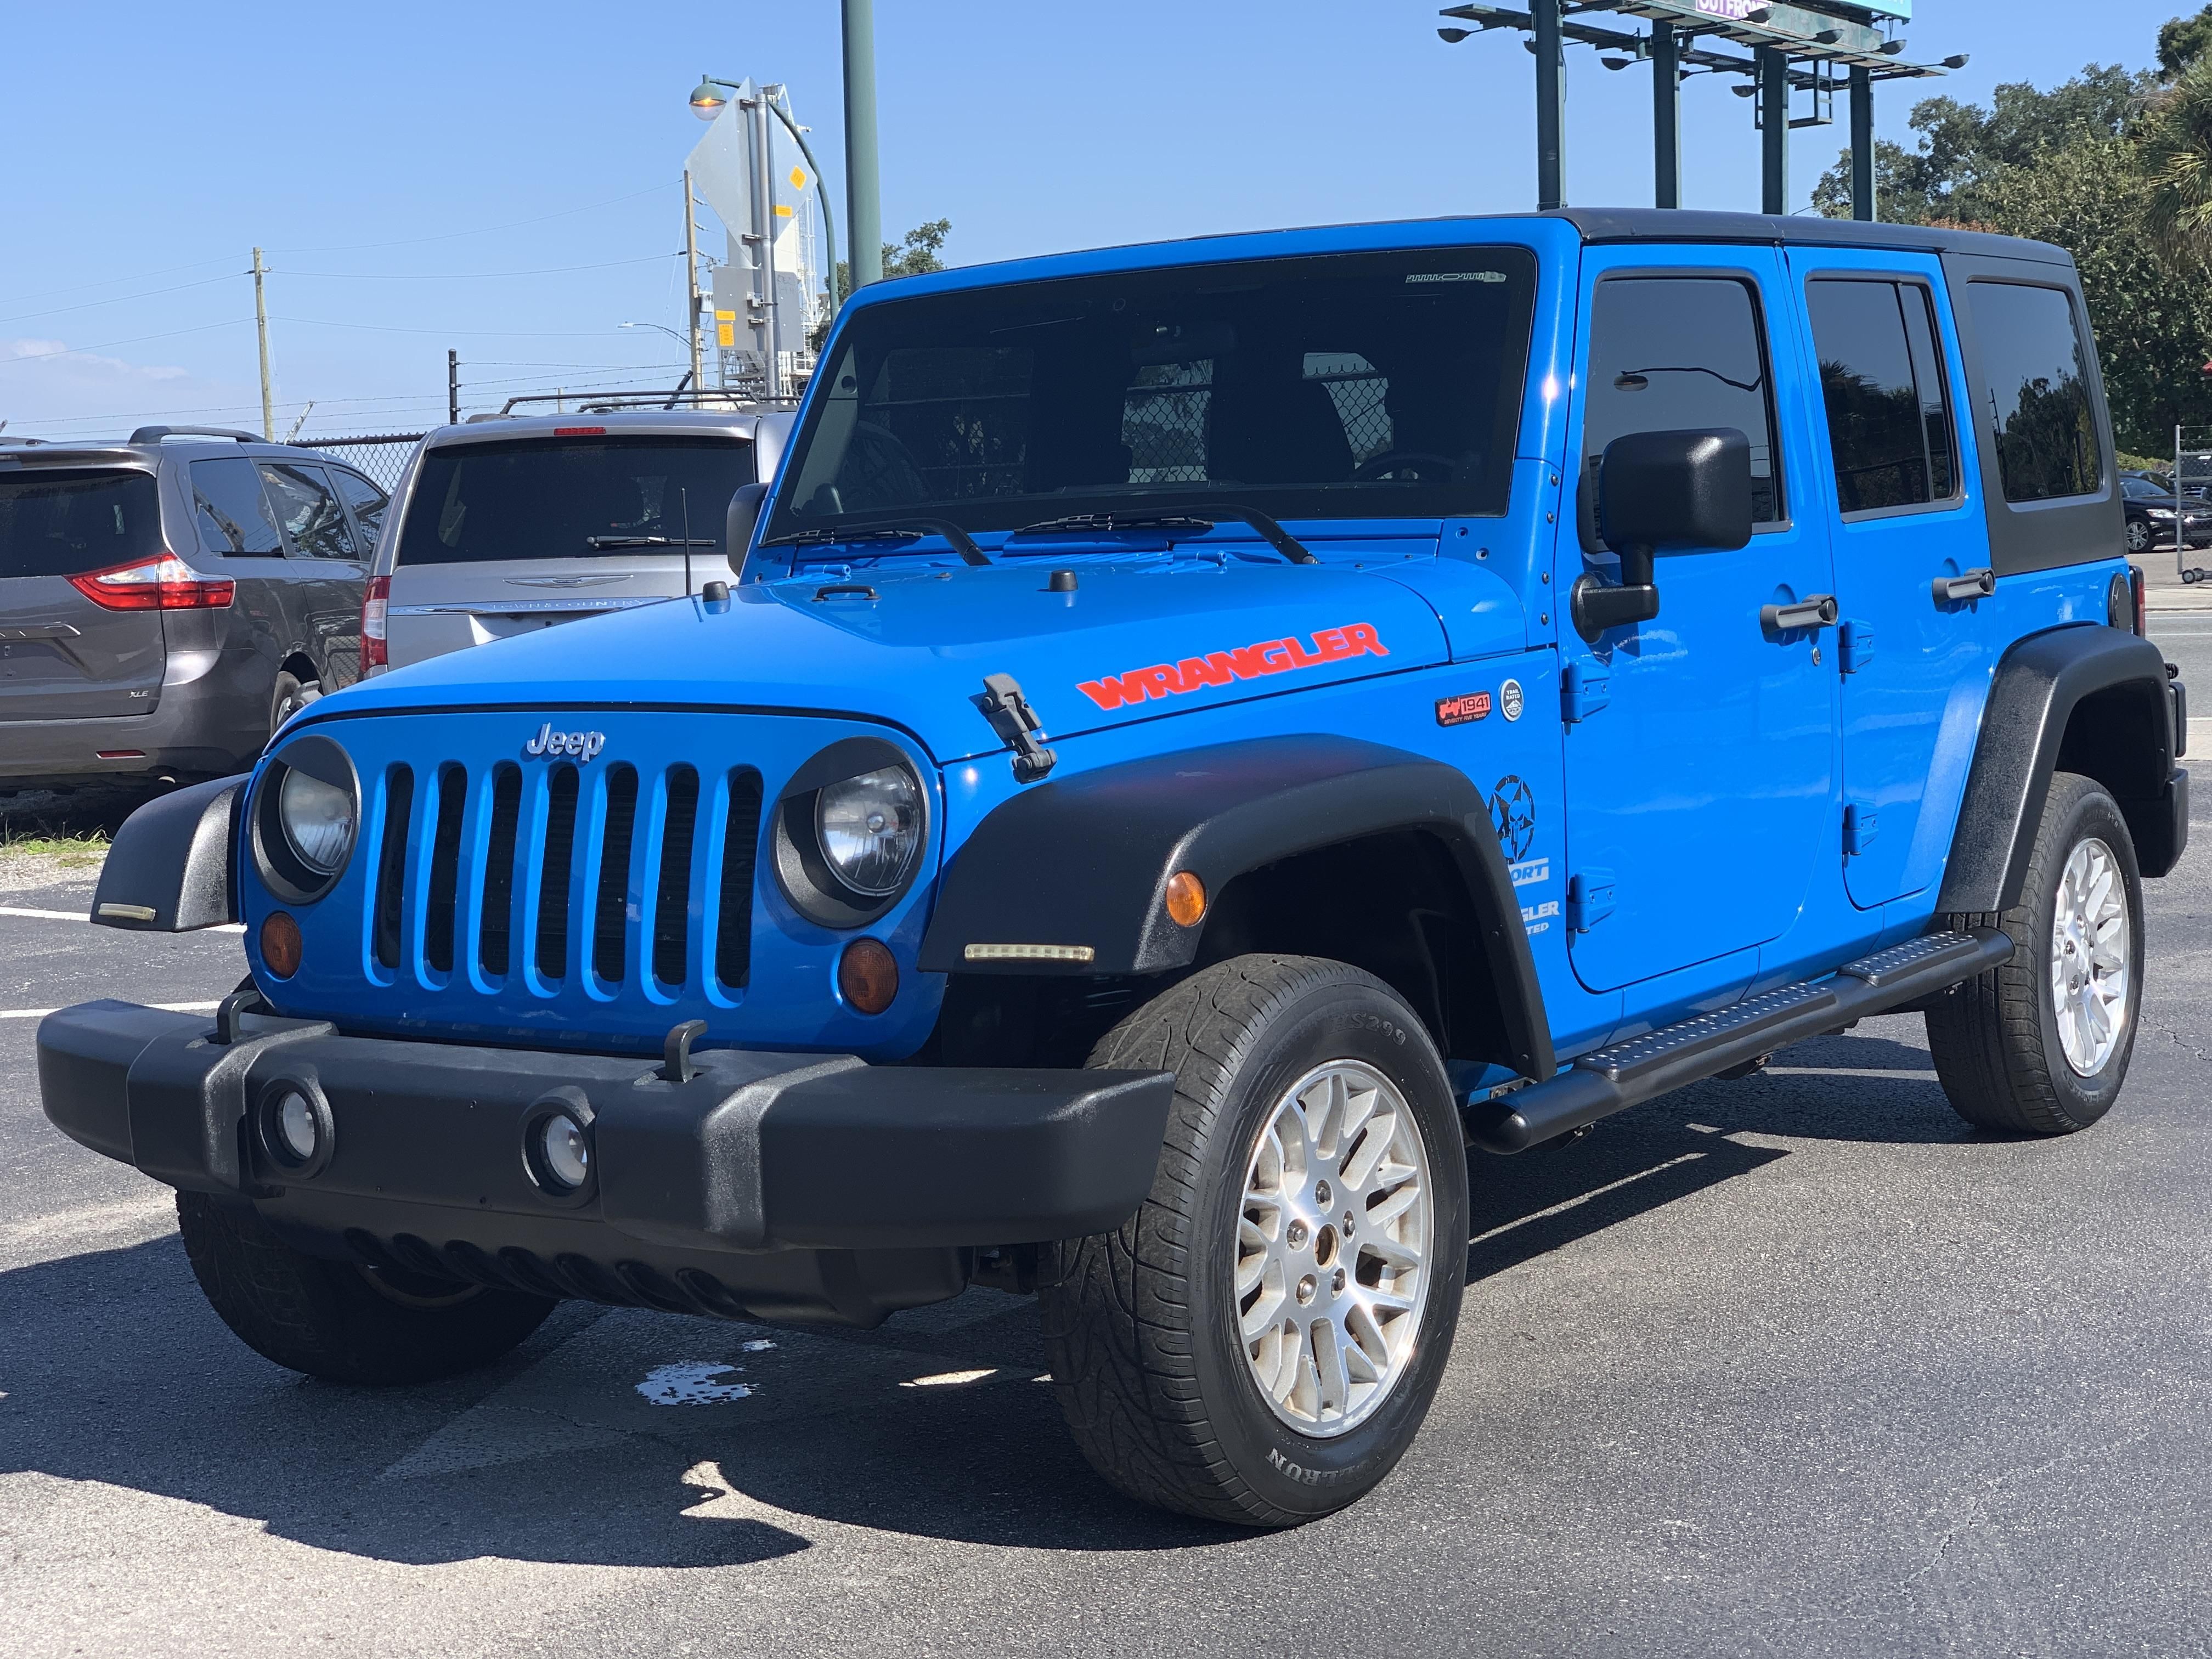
{"points": [[564, 1152], [280, 944], [293, 1120], [867, 976]]}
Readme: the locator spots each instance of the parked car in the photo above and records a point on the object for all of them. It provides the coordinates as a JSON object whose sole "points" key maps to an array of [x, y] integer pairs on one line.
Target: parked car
{"points": [[2155, 515], [167, 602], [505, 527], [1202, 734]]}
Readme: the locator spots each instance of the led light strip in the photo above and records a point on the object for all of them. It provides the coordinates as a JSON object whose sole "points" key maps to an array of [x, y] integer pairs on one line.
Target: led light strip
{"points": [[1029, 953]]}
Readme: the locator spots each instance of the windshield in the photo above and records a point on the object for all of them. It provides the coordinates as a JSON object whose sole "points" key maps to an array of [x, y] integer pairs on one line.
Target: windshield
{"points": [[530, 499], [1352, 386], [65, 524]]}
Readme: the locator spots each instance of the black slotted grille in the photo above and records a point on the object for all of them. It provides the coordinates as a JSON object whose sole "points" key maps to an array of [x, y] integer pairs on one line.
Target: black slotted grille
{"points": [[671, 901], [611, 914], [734, 923], [474, 839]]}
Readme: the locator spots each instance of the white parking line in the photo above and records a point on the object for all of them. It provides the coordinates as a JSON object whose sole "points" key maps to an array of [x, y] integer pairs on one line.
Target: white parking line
{"points": [[72, 915], [166, 1007]]}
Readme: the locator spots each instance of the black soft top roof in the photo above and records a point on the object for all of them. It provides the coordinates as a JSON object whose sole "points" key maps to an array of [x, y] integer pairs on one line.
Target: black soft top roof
{"points": [[1684, 225]]}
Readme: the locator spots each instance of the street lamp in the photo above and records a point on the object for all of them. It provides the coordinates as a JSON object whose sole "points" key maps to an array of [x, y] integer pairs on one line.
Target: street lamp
{"points": [[707, 101]]}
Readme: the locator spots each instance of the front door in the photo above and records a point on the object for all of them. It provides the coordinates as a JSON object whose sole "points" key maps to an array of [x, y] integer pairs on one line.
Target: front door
{"points": [[1699, 745], [1913, 649]]}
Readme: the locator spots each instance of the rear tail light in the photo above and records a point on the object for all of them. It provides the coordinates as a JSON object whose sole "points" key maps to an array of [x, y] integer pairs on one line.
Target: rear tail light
{"points": [[164, 584], [375, 605]]}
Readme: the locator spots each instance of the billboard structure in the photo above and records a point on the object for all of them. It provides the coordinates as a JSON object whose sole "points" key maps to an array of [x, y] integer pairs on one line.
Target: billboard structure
{"points": [[766, 294], [1784, 53]]}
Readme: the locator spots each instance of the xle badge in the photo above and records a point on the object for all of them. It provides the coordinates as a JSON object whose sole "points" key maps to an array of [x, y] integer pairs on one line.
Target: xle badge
{"points": [[1509, 700], [1460, 710]]}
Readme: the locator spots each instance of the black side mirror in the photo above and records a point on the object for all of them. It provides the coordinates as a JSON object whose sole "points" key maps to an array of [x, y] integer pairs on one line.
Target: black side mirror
{"points": [[1662, 492], [738, 529]]}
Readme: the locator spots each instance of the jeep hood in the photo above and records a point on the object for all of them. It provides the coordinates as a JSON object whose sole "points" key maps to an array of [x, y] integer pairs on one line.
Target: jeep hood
{"points": [[911, 647]]}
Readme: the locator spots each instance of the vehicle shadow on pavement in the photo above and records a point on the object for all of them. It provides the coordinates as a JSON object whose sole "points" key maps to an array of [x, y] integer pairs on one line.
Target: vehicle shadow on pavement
{"points": [[115, 1370], [1865, 1088], [940, 1424]]}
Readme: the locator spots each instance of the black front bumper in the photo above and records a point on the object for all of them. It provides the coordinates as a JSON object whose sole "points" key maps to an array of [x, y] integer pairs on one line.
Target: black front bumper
{"points": [[772, 1185]]}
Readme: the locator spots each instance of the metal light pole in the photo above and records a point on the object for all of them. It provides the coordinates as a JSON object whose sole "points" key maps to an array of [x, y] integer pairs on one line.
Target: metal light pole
{"points": [[1550, 103], [769, 318], [864, 217], [1862, 202], [1666, 117], [692, 282], [261, 325], [1773, 91]]}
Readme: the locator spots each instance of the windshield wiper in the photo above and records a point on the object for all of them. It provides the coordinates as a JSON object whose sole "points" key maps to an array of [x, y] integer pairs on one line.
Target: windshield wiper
{"points": [[907, 526], [1194, 515], [647, 541]]}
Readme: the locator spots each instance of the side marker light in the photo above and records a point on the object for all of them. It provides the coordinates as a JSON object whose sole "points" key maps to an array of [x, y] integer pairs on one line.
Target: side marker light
{"points": [[867, 976], [1186, 899]]}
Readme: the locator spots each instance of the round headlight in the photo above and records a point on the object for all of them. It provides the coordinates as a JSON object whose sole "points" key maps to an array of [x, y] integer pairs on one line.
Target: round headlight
{"points": [[870, 828], [318, 820]]}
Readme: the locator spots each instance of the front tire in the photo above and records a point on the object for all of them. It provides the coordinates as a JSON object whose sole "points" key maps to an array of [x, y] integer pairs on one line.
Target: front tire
{"points": [[339, 1322], [1260, 1343], [2041, 1045]]}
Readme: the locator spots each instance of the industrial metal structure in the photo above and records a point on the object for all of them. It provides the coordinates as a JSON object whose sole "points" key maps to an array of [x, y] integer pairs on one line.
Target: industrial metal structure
{"points": [[1810, 48]]}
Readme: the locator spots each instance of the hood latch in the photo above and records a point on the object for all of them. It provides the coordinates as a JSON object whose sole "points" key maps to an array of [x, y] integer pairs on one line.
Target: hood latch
{"points": [[1015, 721]]}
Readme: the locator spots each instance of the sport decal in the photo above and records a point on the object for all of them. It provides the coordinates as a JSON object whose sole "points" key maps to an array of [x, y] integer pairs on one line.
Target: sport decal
{"points": [[1513, 812], [1249, 662], [1459, 710]]}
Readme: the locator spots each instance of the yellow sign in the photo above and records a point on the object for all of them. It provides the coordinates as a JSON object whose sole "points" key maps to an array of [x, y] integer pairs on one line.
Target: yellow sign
{"points": [[725, 328]]}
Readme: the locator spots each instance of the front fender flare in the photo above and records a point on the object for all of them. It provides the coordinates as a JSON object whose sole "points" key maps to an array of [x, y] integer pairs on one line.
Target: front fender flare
{"points": [[1085, 861]]}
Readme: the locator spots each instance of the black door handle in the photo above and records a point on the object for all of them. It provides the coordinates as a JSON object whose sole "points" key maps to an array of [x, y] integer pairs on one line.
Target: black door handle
{"points": [[1815, 610], [1974, 584]]}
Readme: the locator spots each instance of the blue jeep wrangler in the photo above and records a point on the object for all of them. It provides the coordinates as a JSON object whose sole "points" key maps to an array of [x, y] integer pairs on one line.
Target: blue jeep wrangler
{"points": [[1199, 736]]}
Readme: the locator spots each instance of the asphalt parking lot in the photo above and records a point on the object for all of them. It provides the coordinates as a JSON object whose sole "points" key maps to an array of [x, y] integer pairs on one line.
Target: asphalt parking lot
{"points": [[1794, 1365]]}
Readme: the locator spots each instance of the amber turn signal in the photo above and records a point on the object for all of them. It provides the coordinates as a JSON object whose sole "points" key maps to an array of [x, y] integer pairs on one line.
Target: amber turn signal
{"points": [[867, 976], [1186, 899], [280, 944]]}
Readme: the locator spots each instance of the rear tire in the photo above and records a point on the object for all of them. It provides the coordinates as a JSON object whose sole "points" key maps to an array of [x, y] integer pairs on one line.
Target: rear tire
{"points": [[338, 1320], [288, 699], [1189, 1348], [2041, 1045]]}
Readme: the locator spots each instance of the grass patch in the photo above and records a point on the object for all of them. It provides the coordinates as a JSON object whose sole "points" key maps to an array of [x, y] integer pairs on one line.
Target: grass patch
{"points": [[77, 852]]}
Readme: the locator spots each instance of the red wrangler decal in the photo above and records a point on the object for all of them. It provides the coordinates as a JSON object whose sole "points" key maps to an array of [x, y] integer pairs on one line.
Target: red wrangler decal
{"points": [[1249, 662]]}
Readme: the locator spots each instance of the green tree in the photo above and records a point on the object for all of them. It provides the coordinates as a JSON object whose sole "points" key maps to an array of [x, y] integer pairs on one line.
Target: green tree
{"points": [[917, 256], [2182, 41]]}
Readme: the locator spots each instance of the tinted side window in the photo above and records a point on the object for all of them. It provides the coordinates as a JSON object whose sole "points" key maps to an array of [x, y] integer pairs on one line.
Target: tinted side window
{"points": [[2032, 356], [228, 507], [1889, 422], [310, 515], [367, 501], [1669, 353]]}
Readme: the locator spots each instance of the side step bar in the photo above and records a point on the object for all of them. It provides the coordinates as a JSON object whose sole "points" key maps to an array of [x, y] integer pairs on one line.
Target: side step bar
{"points": [[1629, 1073]]}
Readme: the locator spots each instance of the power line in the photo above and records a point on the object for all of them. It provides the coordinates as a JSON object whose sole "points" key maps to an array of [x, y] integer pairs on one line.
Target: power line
{"points": [[476, 230], [119, 300], [447, 333], [470, 276], [110, 282], [102, 345]]}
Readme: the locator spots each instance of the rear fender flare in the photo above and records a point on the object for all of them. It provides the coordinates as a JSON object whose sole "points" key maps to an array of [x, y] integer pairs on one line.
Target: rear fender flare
{"points": [[1085, 859], [2038, 687]]}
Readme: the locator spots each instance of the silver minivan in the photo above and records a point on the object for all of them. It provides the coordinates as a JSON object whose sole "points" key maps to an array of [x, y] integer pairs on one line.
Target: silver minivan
{"points": [[502, 527]]}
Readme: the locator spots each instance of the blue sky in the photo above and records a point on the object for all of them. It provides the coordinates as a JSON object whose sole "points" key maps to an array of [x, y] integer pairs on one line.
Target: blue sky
{"points": [[503, 179]]}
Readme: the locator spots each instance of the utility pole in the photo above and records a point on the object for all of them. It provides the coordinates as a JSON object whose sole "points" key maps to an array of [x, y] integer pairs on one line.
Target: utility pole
{"points": [[452, 387], [864, 217], [691, 282], [261, 324], [1862, 202], [1773, 99]]}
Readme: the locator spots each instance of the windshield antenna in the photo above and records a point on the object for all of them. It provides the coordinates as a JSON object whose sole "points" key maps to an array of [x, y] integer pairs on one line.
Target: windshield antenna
{"points": [[683, 495]]}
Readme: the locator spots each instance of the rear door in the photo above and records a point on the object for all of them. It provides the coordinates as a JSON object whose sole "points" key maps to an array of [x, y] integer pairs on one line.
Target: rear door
{"points": [[325, 566], [63, 656], [509, 536], [1914, 663]]}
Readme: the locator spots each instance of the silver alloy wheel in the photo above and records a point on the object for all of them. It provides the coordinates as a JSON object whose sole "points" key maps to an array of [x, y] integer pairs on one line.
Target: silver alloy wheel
{"points": [[2089, 957], [1332, 1244]]}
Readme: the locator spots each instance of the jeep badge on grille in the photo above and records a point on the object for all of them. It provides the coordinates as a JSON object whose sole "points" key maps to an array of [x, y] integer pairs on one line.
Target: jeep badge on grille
{"points": [[584, 745]]}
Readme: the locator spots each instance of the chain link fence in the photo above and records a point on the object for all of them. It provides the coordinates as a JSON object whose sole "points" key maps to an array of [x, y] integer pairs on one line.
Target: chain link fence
{"points": [[2192, 479], [380, 456]]}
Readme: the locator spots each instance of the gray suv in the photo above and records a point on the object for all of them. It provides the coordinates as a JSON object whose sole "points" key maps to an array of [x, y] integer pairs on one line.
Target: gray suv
{"points": [[167, 602]]}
